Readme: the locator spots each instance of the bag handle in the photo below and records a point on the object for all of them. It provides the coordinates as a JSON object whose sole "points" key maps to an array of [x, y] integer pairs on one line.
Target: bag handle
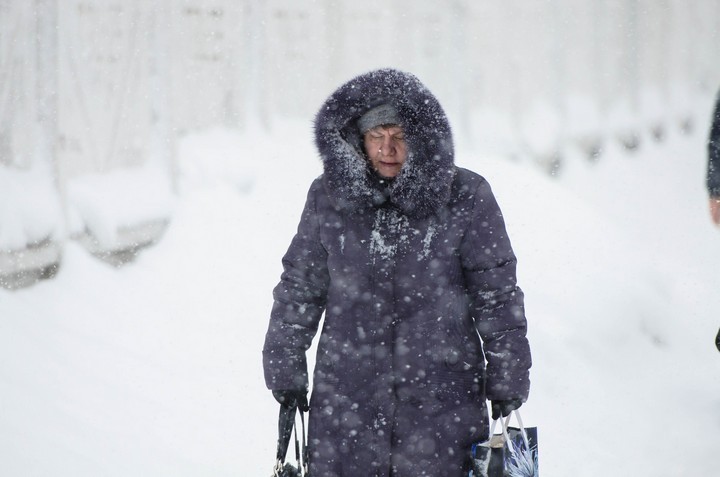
{"points": [[505, 425], [286, 425]]}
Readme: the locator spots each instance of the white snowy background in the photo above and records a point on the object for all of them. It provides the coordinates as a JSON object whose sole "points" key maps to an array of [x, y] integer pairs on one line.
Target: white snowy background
{"points": [[155, 368]]}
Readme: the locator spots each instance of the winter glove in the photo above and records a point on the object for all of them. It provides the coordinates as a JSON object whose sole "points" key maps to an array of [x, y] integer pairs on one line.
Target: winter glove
{"points": [[504, 408], [291, 398]]}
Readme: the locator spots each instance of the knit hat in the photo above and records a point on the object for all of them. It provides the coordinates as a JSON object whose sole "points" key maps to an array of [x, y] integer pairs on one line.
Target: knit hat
{"points": [[378, 116]]}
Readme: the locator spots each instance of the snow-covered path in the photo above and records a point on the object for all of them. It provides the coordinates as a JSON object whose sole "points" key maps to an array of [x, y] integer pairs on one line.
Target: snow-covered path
{"points": [[154, 369]]}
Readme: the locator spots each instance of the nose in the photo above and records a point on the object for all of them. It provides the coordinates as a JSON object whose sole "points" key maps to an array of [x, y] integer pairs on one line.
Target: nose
{"points": [[388, 146]]}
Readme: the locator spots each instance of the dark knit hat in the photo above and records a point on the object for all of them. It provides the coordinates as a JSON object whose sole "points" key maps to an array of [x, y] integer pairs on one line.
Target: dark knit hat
{"points": [[378, 116]]}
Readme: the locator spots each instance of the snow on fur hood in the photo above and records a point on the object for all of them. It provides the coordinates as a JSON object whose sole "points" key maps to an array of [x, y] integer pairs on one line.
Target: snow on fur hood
{"points": [[424, 182]]}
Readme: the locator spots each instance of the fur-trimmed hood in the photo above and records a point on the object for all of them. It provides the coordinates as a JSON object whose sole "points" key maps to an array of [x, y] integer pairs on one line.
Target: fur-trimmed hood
{"points": [[425, 180]]}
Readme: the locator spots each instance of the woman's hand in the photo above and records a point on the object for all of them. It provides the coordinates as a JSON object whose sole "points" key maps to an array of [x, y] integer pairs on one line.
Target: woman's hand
{"points": [[715, 210], [292, 398], [504, 408]]}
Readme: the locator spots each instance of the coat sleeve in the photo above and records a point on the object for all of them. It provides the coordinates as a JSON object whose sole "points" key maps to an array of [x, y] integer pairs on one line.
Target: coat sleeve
{"points": [[713, 172], [496, 302], [299, 302]]}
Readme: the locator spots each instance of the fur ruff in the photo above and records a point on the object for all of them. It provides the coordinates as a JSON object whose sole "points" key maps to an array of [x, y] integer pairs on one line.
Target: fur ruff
{"points": [[424, 183]]}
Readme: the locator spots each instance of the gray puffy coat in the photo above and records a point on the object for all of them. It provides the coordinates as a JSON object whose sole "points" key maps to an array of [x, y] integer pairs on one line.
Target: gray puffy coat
{"points": [[423, 321]]}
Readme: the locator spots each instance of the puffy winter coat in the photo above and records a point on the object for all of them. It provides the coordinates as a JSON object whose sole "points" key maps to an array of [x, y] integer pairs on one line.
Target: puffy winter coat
{"points": [[713, 172], [410, 278]]}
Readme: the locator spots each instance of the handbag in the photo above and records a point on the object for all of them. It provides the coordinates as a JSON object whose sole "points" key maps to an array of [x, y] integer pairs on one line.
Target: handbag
{"points": [[286, 425], [512, 453]]}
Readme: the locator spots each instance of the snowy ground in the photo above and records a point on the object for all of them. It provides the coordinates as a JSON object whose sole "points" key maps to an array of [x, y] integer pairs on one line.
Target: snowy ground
{"points": [[155, 368]]}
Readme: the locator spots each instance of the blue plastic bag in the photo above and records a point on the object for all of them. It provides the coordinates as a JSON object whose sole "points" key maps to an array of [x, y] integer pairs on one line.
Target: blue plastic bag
{"points": [[512, 453]]}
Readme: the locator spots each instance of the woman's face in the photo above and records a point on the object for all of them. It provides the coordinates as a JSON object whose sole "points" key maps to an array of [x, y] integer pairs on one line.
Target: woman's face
{"points": [[386, 148]]}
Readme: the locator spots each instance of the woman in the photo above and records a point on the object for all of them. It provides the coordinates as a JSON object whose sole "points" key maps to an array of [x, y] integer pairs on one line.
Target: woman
{"points": [[408, 257]]}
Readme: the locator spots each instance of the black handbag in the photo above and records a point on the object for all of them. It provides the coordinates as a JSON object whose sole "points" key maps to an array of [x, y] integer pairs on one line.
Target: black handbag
{"points": [[286, 426]]}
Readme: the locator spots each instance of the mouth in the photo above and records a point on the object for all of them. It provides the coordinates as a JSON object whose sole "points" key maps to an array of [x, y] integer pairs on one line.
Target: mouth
{"points": [[389, 169]]}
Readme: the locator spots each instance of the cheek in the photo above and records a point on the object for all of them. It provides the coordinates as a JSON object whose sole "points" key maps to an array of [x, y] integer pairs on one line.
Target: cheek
{"points": [[402, 153]]}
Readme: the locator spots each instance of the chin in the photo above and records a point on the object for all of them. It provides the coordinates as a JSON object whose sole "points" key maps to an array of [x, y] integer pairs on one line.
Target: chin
{"points": [[389, 174]]}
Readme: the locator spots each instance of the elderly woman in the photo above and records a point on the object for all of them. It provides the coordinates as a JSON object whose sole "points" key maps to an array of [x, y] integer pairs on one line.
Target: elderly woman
{"points": [[407, 256]]}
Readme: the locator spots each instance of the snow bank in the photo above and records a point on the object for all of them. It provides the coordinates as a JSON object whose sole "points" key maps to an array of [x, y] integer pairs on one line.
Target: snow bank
{"points": [[29, 207], [155, 368], [104, 204]]}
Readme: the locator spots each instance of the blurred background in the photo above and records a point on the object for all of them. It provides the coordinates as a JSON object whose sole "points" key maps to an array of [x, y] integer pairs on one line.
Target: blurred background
{"points": [[155, 157], [97, 94]]}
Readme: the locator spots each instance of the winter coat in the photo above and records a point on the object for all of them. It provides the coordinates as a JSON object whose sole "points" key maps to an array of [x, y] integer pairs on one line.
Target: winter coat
{"points": [[713, 172], [409, 278]]}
